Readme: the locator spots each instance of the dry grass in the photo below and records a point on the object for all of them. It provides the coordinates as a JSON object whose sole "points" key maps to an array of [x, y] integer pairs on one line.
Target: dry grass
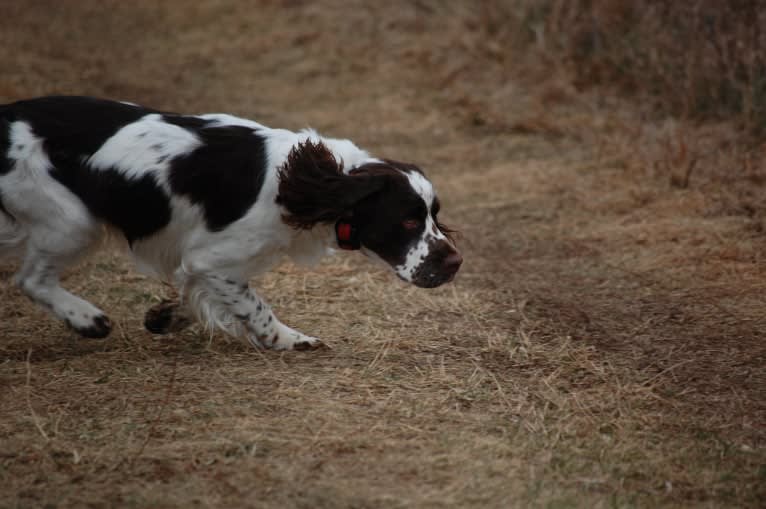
{"points": [[695, 59], [602, 347]]}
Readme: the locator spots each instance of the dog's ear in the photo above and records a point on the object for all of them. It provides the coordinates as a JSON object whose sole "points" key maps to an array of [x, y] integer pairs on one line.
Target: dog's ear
{"points": [[313, 188]]}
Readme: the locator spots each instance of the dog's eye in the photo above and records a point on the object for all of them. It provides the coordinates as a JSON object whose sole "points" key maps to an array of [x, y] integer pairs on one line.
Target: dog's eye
{"points": [[411, 224]]}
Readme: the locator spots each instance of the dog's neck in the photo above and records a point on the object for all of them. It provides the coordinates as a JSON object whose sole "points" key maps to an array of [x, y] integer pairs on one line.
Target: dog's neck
{"points": [[308, 247]]}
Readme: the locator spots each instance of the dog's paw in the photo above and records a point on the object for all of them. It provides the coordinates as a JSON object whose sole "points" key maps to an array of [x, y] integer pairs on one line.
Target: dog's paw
{"points": [[99, 327], [290, 339], [165, 317], [310, 344]]}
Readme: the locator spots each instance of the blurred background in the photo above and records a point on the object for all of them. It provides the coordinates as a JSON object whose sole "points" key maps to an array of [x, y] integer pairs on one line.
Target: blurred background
{"points": [[603, 345]]}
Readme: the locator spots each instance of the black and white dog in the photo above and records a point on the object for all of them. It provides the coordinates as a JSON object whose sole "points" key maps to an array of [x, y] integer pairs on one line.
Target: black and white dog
{"points": [[205, 202]]}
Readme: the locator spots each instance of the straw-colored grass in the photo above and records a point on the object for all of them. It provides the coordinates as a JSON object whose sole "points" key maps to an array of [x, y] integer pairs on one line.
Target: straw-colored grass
{"points": [[603, 345]]}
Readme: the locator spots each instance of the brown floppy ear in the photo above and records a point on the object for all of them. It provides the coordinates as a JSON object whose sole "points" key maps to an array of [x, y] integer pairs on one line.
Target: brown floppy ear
{"points": [[313, 188]]}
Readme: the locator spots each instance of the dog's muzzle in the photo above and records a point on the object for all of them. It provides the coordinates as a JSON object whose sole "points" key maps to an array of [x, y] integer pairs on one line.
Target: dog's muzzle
{"points": [[438, 268]]}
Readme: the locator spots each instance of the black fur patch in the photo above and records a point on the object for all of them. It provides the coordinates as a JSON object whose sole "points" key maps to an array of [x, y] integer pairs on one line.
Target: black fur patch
{"points": [[139, 207], [224, 174], [380, 218], [186, 121], [76, 125], [5, 145]]}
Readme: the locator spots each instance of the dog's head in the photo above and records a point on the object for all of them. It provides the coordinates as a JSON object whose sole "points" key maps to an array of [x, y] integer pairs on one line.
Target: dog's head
{"points": [[386, 209]]}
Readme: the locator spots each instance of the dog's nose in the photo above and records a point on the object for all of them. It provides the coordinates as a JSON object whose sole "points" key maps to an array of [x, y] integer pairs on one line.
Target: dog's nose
{"points": [[452, 262]]}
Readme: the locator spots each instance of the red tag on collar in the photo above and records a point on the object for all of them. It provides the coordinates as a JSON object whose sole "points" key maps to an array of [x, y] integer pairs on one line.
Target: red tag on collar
{"points": [[346, 235], [344, 232]]}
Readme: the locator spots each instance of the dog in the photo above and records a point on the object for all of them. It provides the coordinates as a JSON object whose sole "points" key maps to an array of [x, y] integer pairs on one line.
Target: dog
{"points": [[204, 202]]}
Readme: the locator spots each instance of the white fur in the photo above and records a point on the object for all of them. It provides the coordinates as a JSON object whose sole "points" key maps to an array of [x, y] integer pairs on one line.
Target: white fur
{"points": [[135, 149]]}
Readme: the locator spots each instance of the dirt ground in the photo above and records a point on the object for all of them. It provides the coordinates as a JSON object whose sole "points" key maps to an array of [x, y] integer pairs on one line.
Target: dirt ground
{"points": [[603, 345]]}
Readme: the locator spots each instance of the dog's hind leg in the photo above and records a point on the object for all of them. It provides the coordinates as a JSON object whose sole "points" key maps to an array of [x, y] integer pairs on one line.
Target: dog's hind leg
{"points": [[39, 279], [58, 231], [49, 226]]}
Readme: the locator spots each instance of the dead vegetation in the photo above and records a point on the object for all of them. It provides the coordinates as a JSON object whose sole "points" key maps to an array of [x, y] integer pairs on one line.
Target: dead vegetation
{"points": [[603, 345], [699, 59]]}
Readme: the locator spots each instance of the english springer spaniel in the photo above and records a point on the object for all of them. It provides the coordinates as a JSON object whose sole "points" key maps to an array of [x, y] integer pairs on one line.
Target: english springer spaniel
{"points": [[204, 202]]}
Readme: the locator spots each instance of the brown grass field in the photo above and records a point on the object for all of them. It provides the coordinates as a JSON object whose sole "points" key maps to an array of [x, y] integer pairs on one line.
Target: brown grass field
{"points": [[603, 345]]}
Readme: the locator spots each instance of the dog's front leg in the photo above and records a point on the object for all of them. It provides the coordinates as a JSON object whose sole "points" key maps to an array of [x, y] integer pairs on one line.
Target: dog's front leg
{"points": [[230, 304], [168, 316]]}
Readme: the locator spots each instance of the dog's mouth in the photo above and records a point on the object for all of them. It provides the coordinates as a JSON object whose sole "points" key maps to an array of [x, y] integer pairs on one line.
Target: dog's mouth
{"points": [[431, 275], [433, 280], [430, 280]]}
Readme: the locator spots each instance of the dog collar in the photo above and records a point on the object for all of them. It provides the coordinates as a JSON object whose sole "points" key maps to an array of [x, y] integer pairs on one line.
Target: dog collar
{"points": [[347, 235]]}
